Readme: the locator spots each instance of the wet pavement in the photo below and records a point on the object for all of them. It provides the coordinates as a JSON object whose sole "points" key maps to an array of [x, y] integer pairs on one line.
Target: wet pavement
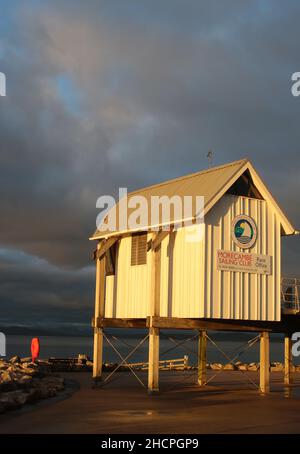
{"points": [[230, 403]]}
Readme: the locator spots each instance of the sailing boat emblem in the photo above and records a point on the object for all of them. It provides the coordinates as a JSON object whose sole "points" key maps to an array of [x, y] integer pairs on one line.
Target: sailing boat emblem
{"points": [[244, 231]]}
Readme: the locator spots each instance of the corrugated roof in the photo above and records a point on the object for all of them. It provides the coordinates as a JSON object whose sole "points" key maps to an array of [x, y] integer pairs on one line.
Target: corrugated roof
{"points": [[210, 183]]}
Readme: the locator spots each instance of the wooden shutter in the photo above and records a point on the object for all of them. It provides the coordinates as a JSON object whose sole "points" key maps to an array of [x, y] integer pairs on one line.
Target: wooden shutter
{"points": [[111, 260], [139, 249]]}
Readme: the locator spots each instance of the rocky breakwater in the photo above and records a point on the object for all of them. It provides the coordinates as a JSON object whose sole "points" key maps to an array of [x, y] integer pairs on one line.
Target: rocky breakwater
{"points": [[23, 382], [252, 367]]}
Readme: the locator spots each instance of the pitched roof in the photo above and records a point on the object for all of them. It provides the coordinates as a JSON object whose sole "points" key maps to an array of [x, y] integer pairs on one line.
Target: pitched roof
{"points": [[211, 183]]}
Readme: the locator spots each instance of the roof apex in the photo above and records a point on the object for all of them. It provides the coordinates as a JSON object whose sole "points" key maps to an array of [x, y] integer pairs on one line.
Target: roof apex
{"points": [[212, 183]]}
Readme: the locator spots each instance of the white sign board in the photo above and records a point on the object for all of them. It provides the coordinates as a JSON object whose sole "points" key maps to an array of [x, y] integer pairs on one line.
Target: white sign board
{"points": [[241, 261]]}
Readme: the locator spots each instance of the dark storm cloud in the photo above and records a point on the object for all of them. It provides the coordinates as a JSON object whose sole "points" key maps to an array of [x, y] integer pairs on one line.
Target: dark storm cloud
{"points": [[34, 291], [126, 93]]}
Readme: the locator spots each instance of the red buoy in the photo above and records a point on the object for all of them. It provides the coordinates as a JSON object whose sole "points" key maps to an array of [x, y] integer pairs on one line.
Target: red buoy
{"points": [[35, 348]]}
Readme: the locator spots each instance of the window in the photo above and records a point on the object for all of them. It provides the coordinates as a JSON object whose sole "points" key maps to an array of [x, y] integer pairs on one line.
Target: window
{"points": [[139, 249], [111, 260]]}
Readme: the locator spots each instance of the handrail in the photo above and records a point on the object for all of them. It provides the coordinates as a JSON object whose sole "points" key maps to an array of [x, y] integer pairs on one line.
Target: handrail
{"points": [[165, 364], [290, 291]]}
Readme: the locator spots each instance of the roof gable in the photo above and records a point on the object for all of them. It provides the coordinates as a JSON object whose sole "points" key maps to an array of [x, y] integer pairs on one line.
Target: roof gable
{"points": [[212, 184], [245, 187]]}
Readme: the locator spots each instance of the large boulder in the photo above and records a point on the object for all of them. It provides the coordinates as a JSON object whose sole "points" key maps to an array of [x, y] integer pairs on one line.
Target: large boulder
{"points": [[26, 369], [6, 376], [15, 359], [43, 391], [6, 380], [13, 399], [229, 366], [33, 395], [82, 359], [26, 382], [216, 366], [26, 360], [277, 367]]}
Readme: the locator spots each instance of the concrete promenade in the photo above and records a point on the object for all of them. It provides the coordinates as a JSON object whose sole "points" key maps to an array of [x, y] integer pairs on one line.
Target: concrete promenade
{"points": [[227, 405]]}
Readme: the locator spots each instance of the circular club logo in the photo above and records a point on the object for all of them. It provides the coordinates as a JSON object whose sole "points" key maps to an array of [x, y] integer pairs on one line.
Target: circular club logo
{"points": [[244, 231]]}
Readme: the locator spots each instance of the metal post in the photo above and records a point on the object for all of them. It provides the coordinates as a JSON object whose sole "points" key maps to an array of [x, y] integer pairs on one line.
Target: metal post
{"points": [[202, 343], [264, 370], [287, 360]]}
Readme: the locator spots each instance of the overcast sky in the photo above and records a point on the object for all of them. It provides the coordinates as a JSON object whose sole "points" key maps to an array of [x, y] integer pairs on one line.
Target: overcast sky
{"points": [[102, 94]]}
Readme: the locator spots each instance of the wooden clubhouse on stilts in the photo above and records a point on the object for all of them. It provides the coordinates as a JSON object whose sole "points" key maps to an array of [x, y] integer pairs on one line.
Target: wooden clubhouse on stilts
{"points": [[227, 280]]}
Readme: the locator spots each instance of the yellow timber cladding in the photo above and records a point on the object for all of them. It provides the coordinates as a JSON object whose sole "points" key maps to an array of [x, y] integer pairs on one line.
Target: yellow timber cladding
{"points": [[240, 295], [191, 286]]}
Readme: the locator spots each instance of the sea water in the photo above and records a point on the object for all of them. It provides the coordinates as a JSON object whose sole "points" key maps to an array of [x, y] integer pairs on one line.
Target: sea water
{"points": [[222, 347]]}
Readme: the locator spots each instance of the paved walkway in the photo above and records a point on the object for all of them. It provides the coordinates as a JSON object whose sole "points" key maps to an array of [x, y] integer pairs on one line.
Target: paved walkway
{"points": [[227, 406]]}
